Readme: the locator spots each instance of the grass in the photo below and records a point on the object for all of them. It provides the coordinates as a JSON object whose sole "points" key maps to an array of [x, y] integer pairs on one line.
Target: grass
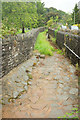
{"points": [[53, 39], [42, 45], [59, 51]]}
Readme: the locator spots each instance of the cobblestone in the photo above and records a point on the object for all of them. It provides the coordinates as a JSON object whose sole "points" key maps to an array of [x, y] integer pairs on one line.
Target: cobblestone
{"points": [[50, 93]]}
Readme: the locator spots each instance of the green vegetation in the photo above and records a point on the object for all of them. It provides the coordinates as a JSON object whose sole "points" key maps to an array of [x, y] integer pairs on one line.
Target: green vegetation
{"points": [[53, 39], [76, 13], [68, 115], [50, 22], [53, 22], [29, 75], [59, 51], [78, 25], [57, 31], [42, 45], [21, 15], [20, 31]]}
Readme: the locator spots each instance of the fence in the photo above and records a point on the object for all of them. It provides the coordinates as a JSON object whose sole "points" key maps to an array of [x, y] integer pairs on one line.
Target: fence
{"points": [[70, 42]]}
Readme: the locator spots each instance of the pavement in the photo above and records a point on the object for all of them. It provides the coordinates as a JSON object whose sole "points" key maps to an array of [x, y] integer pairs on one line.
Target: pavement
{"points": [[52, 90]]}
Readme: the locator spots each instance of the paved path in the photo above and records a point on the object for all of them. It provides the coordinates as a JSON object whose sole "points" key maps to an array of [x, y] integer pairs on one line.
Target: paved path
{"points": [[53, 92]]}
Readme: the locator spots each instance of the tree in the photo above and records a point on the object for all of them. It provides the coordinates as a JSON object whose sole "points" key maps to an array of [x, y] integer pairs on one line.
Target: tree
{"points": [[75, 14], [19, 15], [41, 12], [50, 22]]}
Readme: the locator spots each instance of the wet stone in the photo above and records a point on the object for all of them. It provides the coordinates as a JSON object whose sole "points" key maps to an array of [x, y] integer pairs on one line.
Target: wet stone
{"points": [[68, 107], [15, 94], [63, 97], [41, 77], [29, 70], [54, 105], [74, 77], [48, 93], [0, 89], [46, 74], [60, 85], [22, 68], [57, 77], [9, 92], [61, 81], [5, 101], [60, 91], [33, 67], [33, 60], [66, 88], [66, 62], [67, 103], [65, 74], [54, 73], [22, 96], [17, 80], [42, 56], [37, 54], [18, 84], [73, 91], [29, 82], [26, 88], [25, 83], [73, 97], [20, 89], [55, 113], [50, 70], [66, 79], [25, 78], [30, 63], [72, 116], [71, 68]]}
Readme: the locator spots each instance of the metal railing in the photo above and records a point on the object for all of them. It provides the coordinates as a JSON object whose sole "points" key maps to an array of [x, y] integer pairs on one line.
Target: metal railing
{"points": [[71, 51]]}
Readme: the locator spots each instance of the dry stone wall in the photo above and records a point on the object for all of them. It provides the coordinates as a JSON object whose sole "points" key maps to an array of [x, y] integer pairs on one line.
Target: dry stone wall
{"points": [[72, 42], [16, 49]]}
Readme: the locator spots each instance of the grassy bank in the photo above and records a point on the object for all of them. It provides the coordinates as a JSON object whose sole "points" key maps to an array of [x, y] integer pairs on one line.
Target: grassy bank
{"points": [[42, 45]]}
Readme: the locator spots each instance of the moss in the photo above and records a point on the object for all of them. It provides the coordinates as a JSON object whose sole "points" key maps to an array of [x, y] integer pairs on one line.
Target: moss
{"points": [[67, 35], [10, 99], [34, 64], [70, 39], [29, 75]]}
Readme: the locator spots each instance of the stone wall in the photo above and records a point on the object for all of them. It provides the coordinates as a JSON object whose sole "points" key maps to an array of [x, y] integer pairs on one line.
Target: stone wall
{"points": [[16, 49], [70, 40]]}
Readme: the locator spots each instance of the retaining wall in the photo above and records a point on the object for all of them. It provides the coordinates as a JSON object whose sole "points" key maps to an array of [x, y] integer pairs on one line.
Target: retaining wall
{"points": [[16, 49], [70, 40]]}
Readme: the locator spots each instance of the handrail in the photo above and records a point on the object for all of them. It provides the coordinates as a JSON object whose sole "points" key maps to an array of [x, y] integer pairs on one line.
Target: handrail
{"points": [[72, 51]]}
